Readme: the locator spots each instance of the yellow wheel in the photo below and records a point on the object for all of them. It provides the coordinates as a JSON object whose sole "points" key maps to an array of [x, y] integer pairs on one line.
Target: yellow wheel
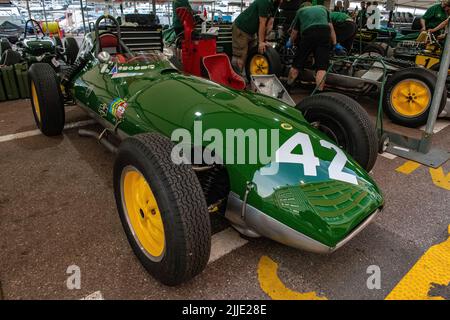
{"points": [[259, 65], [143, 213], [263, 64], [411, 98], [37, 108], [162, 209], [408, 94]]}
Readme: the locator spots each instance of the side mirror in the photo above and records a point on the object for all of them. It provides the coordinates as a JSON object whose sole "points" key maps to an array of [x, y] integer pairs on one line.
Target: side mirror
{"points": [[104, 57]]}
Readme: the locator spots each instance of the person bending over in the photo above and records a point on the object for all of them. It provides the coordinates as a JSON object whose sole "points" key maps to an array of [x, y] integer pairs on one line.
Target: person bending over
{"points": [[313, 24], [250, 28]]}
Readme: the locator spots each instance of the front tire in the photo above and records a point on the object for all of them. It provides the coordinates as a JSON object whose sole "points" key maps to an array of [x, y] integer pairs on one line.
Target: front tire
{"points": [[408, 95], [162, 209], [47, 100], [344, 121]]}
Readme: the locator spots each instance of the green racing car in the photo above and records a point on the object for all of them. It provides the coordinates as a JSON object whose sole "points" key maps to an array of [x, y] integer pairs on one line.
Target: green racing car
{"points": [[318, 198]]}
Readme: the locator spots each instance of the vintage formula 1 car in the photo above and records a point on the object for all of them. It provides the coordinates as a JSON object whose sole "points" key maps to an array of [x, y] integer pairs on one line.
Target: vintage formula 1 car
{"points": [[35, 46], [318, 199]]}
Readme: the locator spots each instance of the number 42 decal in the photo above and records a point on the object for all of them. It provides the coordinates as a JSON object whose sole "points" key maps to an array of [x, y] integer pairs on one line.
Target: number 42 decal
{"points": [[310, 162]]}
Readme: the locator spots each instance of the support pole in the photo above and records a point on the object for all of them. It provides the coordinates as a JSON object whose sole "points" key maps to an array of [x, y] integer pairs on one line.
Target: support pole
{"points": [[82, 16], [28, 9], [425, 144], [45, 17], [154, 7]]}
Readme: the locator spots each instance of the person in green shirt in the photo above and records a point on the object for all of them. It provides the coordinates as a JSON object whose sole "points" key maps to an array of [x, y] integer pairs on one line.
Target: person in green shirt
{"points": [[256, 20], [313, 24], [345, 29], [435, 15], [177, 26], [361, 18]]}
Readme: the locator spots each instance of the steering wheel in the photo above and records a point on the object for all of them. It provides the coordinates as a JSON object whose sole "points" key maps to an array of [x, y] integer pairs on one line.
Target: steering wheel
{"points": [[116, 24]]}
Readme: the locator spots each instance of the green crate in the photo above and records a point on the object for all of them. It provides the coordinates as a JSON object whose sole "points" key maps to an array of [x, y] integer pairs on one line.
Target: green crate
{"points": [[21, 70], [9, 80]]}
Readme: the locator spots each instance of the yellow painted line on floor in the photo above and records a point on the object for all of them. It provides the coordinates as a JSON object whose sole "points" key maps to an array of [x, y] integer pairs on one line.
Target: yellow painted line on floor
{"points": [[440, 179], [408, 167], [271, 284], [428, 278]]}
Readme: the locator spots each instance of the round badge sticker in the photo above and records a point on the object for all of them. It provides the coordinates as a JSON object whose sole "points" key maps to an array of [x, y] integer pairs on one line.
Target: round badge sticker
{"points": [[286, 126]]}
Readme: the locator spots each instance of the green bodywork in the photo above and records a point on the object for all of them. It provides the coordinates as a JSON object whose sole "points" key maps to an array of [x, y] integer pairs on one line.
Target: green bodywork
{"points": [[161, 99]]}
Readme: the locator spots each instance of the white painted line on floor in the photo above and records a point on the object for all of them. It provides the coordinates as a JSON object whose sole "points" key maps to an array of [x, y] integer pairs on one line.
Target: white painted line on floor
{"points": [[440, 124], [36, 132], [97, 295], [224, 242], [388, 155]]}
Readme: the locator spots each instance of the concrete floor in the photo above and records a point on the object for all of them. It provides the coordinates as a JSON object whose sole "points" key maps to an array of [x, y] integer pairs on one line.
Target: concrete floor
{"points": [[57, 209]]}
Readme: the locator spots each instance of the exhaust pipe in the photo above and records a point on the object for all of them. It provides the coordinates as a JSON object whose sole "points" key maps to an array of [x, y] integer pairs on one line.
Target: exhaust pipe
{"points": [[100, 138]]}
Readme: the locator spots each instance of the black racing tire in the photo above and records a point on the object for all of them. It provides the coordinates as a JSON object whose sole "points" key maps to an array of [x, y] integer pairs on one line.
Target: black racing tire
{"points": [[420, 76], [47, 101], [180, 204], [271, 58], [70, 49], [376, 48], [5, 45], [344, 121], [10, 57]]}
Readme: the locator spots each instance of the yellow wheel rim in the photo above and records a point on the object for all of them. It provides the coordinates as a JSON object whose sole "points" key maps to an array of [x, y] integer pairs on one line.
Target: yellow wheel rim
{"points": [[410, 98], [259, 65], [142, 213], [36, 106]]}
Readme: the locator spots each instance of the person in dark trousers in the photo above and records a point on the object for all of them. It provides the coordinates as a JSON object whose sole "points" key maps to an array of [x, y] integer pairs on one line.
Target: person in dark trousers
{"points": [[313, 24], [361, 18], [345, 29], [251, 28]]}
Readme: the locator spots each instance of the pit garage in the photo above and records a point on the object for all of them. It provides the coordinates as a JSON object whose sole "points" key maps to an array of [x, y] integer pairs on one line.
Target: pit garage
{"points": [[99, 199]]}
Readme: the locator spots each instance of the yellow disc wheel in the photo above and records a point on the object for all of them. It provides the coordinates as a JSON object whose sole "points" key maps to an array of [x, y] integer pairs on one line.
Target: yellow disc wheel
{"points": [[410, 98], [143, 214], [259, 65], [37, 108]]}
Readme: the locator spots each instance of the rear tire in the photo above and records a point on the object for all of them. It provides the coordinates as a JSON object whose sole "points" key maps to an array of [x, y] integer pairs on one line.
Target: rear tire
{"points": [[268, 63], [46, 99], [70, 49], [180, 204], [345, 122], [408, 95]]}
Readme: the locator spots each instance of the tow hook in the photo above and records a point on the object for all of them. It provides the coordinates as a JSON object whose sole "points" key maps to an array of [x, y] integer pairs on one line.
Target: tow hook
{"points": [[250, 186]]}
